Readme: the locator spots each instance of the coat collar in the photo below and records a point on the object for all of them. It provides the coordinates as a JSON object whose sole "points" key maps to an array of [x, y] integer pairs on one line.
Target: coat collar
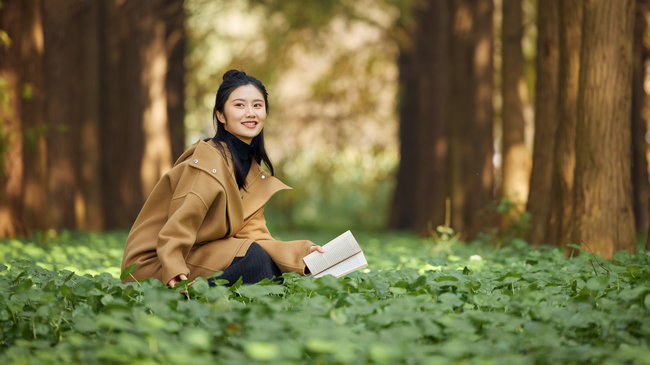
{"points": [[260, 185]]}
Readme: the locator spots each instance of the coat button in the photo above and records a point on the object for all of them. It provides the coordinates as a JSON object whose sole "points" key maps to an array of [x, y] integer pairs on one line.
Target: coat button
{"points": [[196, 161], [214, 171], [263, 177]]}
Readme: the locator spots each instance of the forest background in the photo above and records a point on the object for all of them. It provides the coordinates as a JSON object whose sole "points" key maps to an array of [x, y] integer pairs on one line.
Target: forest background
{"points": [[505, 117]]}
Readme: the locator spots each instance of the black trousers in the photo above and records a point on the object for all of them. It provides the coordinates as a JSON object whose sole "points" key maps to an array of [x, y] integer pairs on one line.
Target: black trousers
{"points": [[253, 267]]}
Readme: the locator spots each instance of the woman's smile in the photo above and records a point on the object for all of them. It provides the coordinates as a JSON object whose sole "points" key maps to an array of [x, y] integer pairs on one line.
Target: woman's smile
{"points": [[250, 124]]}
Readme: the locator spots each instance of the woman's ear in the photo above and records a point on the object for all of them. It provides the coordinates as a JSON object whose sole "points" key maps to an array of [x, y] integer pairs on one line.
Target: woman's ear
{"points": [[220, 117]]}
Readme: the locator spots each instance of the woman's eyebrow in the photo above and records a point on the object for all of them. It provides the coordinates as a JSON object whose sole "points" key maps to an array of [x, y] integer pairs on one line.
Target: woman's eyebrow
{"points": [[241, 99]]}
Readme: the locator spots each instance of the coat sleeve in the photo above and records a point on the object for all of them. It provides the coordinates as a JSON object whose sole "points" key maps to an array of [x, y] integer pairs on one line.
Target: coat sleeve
{"points": [[286, 254], [186, 214]]}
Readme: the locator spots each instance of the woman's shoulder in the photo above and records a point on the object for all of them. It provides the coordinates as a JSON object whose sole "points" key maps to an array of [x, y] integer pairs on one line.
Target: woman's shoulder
{"points": [[206, 156]]}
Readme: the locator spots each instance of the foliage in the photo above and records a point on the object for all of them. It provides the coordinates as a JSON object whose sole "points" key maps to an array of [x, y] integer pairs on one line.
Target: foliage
{"points": [[330, 70], [470, 304]]}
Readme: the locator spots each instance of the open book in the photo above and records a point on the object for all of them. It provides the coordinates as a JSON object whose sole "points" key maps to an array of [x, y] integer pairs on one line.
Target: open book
{"points": [[342, 256]]}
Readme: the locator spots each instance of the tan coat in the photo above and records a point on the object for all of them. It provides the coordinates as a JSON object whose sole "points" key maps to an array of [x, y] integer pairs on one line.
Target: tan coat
{"points": [[196, 220]]}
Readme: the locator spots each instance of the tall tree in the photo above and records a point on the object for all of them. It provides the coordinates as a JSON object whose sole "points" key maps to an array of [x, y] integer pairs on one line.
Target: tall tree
{"points": [[471, 114], [11, 91], [423, 63], [86, 112], [604, 207], [516, 160], [175, 39], [562, 201], [546, 91], [640, 184], [34, 123]]}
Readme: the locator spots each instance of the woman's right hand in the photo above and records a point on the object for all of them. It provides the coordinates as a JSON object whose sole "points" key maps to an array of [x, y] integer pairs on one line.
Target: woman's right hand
{"points": [[177, 279]]}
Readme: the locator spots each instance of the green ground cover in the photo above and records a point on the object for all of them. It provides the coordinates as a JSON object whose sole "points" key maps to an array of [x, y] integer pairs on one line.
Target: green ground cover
{"points": [[419, 302]]}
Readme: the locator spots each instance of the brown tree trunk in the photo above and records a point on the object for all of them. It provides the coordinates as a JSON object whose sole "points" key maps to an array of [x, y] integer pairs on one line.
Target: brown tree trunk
{"points": [[174, 17], [604, 206], [420, 193], [63, 57], [432, 68], [565, 137], [480, 169], [462, 111], [34, 124], [640, 184], [516, 160], [546, 92], [471, 142], [134, 122], [404, 199], [11, 146]]}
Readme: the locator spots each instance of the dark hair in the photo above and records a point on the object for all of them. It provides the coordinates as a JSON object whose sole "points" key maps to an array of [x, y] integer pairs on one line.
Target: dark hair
{"points": [[231, 80]]}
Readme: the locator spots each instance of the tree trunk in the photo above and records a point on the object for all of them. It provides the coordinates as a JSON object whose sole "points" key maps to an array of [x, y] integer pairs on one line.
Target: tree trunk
{"points": [[419, 200], [63, 57], [516, 160], [404, 199], [34, 123], [471, 142], [640, 184], [565, 138], [546, 92], [432, 67], [174, 17], [604, 206], [480, 168], [11, 146]]}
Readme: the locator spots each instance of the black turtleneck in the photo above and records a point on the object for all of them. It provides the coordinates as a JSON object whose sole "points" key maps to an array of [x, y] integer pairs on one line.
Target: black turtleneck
{"points": [[241, 150]]}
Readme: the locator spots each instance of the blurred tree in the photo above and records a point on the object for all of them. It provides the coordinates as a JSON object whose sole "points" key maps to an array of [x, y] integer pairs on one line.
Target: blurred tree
{"points": [[516, 159], [471, 115], [94, 81], [640, 117], [34, 124], [421, 190], [604, 212], [13, 22], [546, 91], [562, 201]]}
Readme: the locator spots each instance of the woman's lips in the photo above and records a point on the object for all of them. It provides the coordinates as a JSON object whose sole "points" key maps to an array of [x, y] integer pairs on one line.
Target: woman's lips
{"points": [[250, 124]]}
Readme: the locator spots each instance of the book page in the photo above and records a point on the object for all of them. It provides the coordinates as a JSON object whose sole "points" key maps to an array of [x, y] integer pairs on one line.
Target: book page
{"points": [[336, 251], [346, 266]]}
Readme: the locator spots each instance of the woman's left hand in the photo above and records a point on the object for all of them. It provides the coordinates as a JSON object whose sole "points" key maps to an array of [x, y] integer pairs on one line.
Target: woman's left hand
{"points": [[316, 248]]}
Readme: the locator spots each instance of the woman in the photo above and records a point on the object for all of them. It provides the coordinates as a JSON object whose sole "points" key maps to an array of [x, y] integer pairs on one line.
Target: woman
{"points": [[207, 213]]}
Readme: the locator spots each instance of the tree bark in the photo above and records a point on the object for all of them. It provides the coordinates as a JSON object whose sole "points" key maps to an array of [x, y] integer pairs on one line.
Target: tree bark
{"points": [[433, 91], [11, 146], [174, 17], [471, 142], [640, 184], [604, 207], [546, 91], [34, 123], [516, 159], [559, 232]]}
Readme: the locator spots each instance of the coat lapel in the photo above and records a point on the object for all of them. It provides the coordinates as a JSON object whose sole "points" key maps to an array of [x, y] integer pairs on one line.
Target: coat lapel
{"points": [[260, 187]]}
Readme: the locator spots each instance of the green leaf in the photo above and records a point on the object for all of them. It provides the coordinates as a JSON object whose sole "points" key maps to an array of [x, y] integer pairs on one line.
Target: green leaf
{"points": [[262, 351], [127, 272]]}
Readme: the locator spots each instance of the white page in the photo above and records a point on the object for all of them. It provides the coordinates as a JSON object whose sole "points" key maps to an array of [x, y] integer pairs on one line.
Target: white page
{"points": [[336, 250], [346, 266]]}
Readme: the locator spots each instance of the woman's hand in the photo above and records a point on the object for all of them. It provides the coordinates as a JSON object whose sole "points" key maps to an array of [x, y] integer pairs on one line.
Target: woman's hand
{"points": [[316, 248], [177, 279]]}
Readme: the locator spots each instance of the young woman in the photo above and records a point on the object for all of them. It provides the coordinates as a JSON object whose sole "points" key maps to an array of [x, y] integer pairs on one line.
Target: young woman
{"points": [[207, 213]]}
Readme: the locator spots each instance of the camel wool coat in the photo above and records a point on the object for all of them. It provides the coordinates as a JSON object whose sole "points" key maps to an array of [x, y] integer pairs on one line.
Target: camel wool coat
{"points": [[196, 220]]}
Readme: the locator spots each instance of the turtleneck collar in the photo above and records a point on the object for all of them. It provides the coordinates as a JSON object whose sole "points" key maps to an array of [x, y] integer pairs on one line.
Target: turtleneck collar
{"points": [[241, 151]]}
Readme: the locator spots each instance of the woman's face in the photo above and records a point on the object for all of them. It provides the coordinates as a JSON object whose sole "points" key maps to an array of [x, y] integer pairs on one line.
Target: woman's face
{"points": [[244, 113]]}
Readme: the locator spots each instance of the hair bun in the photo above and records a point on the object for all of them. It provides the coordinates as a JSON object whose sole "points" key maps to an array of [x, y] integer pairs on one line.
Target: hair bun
{"points": [[233, 74]]}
